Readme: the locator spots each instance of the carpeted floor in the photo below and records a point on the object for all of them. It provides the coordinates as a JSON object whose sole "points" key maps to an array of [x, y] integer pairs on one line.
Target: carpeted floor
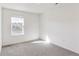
{"points": [[35, 49]]}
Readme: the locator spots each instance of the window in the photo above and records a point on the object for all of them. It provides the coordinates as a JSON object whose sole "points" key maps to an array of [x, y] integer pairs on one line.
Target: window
{"points": [[17, 26]]}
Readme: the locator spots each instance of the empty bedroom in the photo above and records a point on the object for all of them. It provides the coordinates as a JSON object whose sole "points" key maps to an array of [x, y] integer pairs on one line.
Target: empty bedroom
{"points": [[39, 29]]}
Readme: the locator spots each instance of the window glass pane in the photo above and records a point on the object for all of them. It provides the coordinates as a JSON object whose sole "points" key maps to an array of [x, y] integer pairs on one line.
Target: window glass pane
{"points": [[17, 26]]}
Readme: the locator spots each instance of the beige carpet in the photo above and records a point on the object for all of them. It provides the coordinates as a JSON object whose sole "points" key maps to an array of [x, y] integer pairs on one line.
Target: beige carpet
{"points": [[35, 49]]}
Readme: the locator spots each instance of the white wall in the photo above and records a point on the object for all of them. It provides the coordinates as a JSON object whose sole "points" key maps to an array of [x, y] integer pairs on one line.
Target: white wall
{"points": [[61, 25], [31, 26]]}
